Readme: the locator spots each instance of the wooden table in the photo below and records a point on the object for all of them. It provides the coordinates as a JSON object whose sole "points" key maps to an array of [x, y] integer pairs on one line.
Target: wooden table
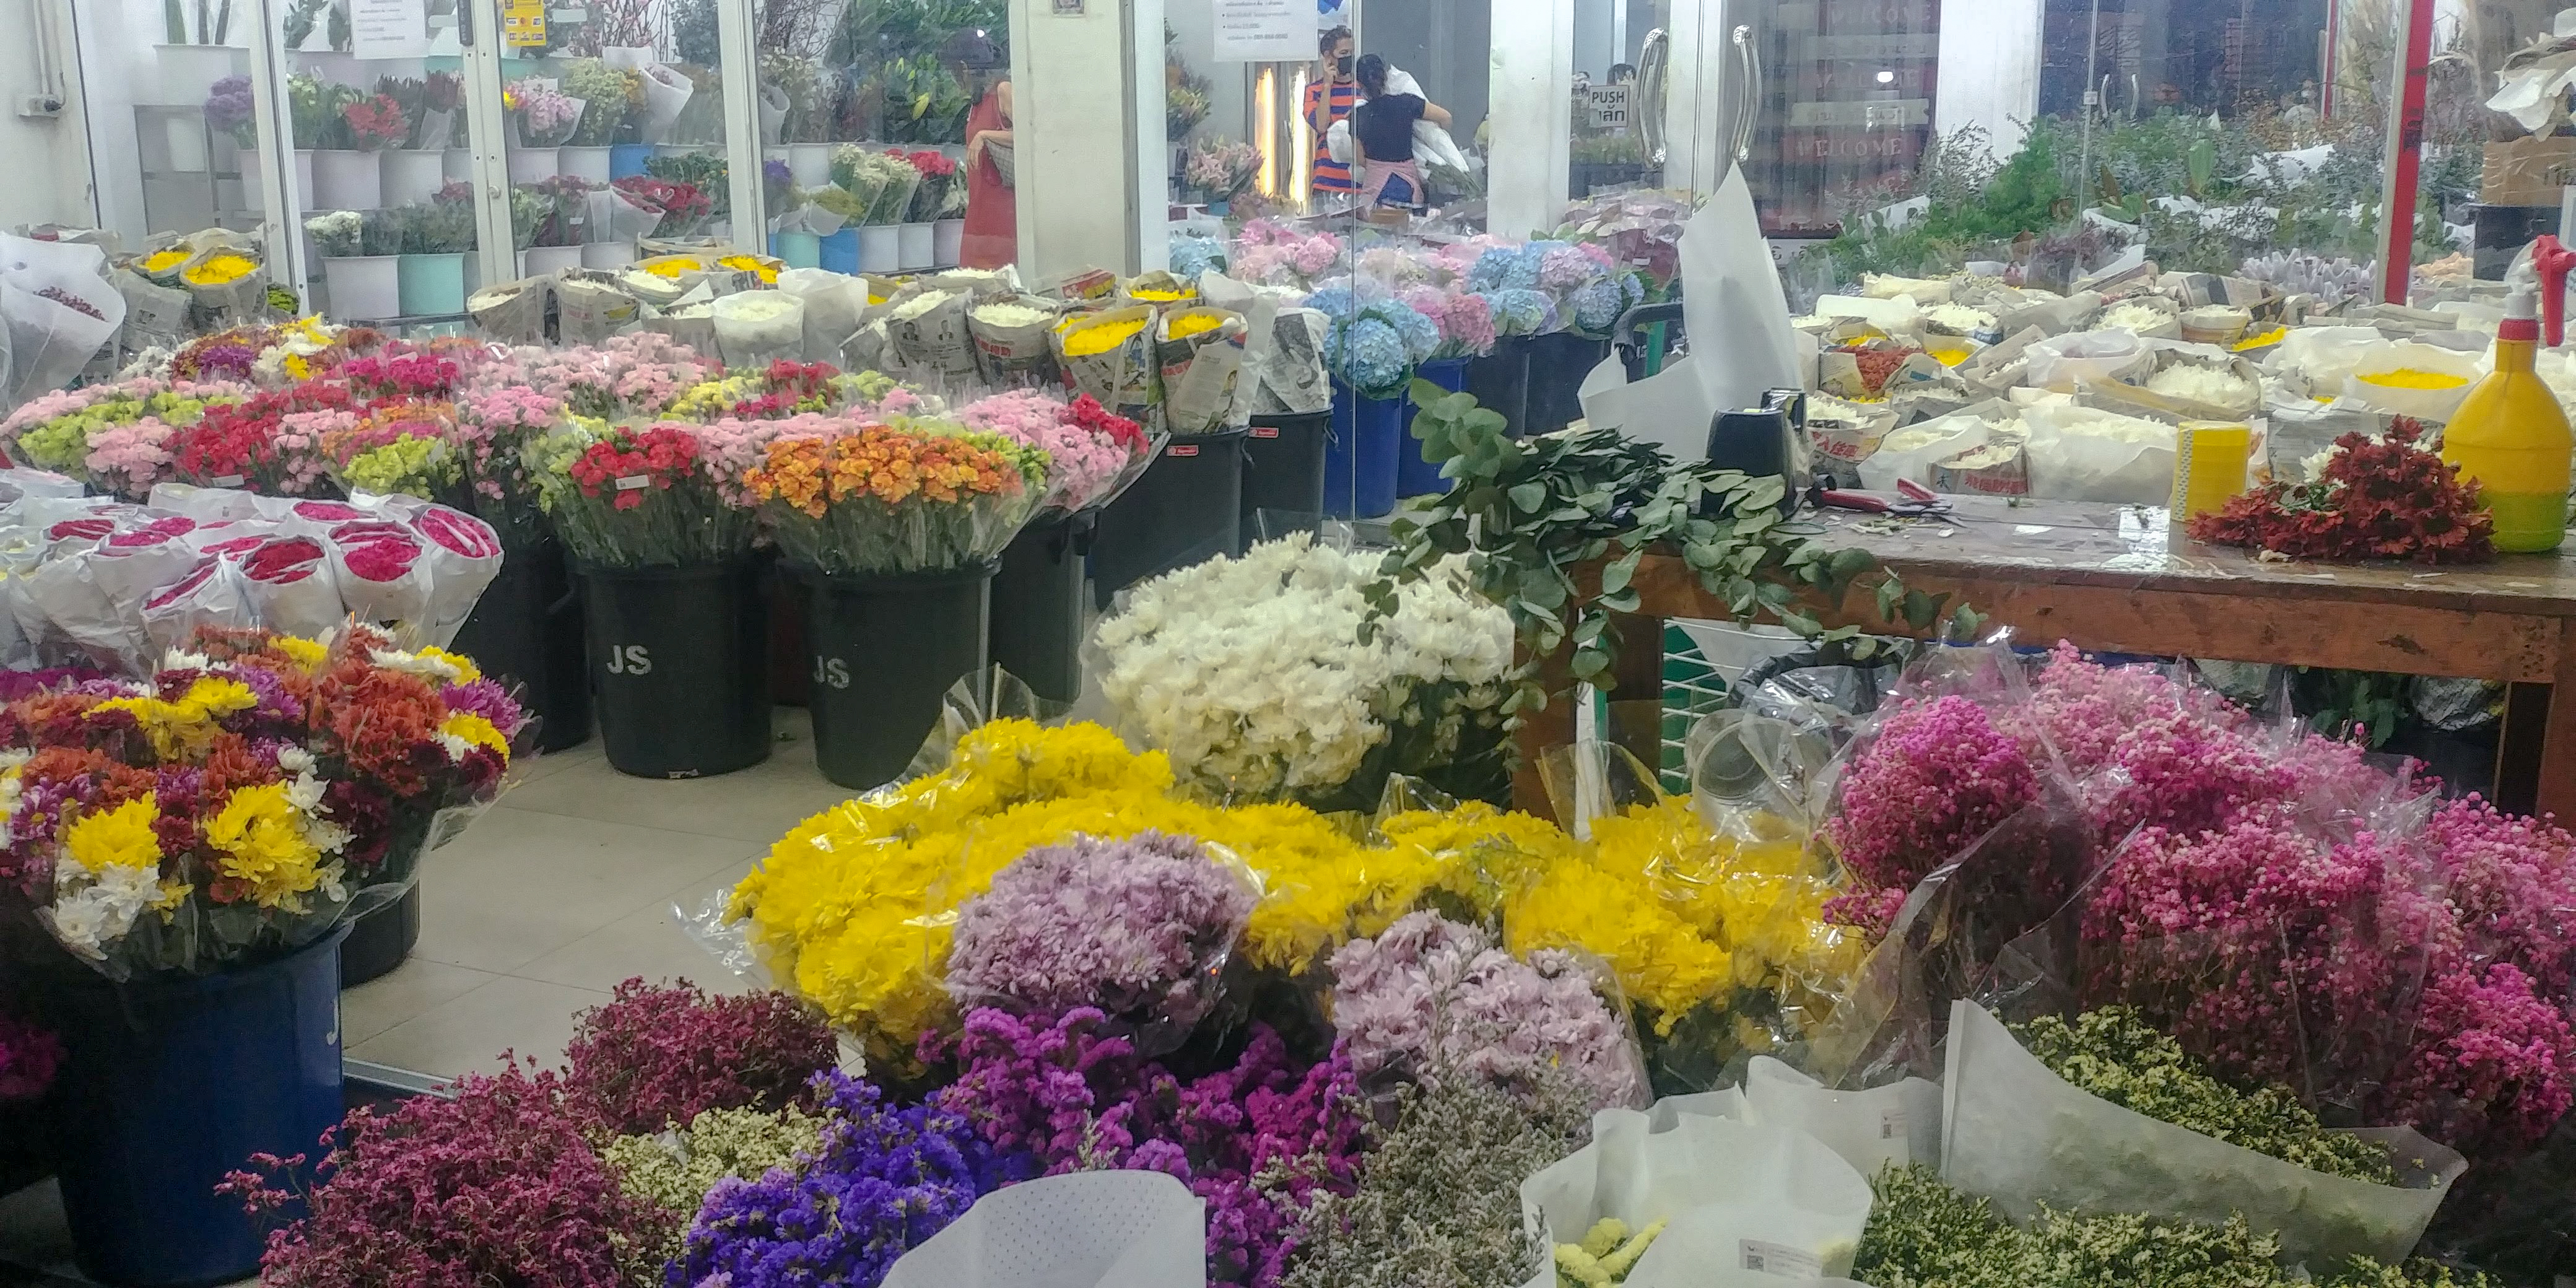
{"points": [[2116, 578]]}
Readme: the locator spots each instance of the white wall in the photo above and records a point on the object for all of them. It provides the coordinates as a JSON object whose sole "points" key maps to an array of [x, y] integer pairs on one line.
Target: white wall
{"points": [[1086, 96], [45, 158]]}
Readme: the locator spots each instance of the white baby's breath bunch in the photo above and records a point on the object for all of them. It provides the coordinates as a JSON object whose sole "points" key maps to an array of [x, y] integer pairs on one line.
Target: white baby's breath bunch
{"points": [[1252, 675]]}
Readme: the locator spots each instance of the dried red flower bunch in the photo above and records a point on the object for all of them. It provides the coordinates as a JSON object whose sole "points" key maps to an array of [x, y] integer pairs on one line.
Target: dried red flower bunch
{"points": [[658, 1056], [2379, 499]]}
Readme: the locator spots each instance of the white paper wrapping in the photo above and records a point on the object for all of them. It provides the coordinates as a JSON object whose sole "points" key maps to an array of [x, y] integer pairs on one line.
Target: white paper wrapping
{"points": [[1745, 1205], [1083, 1230]]}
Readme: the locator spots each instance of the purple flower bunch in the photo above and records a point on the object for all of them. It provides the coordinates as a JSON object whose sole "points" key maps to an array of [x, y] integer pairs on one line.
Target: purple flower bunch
{"points": [[884, 1181], [1432, 999], [494, 1186], [228, 108], [1937, 776], [15, 685], [28, 1058], [1256, 1140], [657, 1056], [1138, 928]]}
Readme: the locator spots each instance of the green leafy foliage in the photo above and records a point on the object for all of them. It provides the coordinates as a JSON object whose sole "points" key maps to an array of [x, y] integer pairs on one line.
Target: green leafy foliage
{"points": [[1534, 515]]}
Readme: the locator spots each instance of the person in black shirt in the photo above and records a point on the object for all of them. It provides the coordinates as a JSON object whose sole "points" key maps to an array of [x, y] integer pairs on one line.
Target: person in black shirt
{"points": [[1382, 126]]}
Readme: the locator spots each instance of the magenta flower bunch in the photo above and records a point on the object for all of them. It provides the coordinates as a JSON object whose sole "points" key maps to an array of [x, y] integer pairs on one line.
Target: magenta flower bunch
{"points": [[1256, 1139], [657, 1056], [1936, 775], [1431, 999], [1137, 928], [494, 1186]]}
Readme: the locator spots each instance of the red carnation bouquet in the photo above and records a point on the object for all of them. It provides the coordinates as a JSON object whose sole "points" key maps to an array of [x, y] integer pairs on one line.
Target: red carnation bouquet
{"points": [[634, 498], [2377, 499]]}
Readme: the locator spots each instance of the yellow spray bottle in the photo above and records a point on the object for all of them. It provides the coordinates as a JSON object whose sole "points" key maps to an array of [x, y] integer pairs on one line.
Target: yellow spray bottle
{"points": [[2510, 436]]}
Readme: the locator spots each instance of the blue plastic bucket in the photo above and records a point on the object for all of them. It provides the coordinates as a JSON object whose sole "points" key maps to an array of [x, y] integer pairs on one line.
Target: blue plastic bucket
{"points": [[626, 160], [797, 250], [1415, 476], [172, 1082], [1359, 458], [840, 252]]}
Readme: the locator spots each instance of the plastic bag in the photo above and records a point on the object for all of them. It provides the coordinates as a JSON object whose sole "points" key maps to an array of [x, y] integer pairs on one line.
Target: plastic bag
{"points": [[1116, 1229], [2064, 363], [1909, 453], [2084, 454], [2365, 387], [666, 92], [291, 585], [2314, 361], [210, 594], [1744, 1204], [49, 341], [756, 328], [464, 555], [2015, 1132], [835, 304]]}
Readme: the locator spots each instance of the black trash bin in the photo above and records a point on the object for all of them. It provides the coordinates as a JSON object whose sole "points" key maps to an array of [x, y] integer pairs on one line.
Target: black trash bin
{"points": [[1037, 606], [679, 667], [1186, 508], [527, 630], [1500, 381], [380, 939], [1283, 473], [885, 651], [1557, 365]]}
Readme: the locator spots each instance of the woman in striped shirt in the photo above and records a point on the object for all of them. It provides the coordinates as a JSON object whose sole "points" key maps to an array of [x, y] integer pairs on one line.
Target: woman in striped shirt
{"points": [[1329, 98]]}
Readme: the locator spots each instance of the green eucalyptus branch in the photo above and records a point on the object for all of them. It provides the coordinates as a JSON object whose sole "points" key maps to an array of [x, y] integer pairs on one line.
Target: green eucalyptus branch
{"points": [[1534, 516]]}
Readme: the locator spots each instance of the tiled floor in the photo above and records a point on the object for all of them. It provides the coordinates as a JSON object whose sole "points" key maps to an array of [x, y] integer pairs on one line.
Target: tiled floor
{"points": [[565, 888]]}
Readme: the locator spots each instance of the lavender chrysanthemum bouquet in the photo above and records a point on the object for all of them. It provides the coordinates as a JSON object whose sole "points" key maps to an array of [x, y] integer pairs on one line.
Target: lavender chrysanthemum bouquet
{"points": [[1433, 999], [1138, 928]]}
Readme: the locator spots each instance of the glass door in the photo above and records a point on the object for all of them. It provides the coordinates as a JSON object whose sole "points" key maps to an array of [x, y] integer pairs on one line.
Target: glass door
{"points": [[866, 109], [381, 155]]}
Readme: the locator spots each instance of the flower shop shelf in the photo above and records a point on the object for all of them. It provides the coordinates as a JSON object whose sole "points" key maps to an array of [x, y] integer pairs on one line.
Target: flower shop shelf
{"points": [[2116, 578]]}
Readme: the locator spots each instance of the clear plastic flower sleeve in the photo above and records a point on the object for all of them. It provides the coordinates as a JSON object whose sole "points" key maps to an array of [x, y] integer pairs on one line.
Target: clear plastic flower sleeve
{"points": [[1744, 1205], [2017, 1133]]}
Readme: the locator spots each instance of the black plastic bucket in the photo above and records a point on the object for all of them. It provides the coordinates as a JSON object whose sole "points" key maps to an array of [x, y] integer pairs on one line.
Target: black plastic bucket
{"points": [[381, 937], [679, 666], [1037, 607], [1283, 474], [1557, 365], [885, 651], [527, 630], [1187, 507], [1500, 381]]}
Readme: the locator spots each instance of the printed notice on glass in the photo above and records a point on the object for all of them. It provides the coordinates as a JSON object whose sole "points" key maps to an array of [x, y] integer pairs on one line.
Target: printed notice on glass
{"points": [[389, 28], [1264, 31]]}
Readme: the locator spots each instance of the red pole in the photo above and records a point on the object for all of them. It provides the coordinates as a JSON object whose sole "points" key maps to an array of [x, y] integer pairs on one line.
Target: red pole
{"points": [[2405, 154], [2328, 66]]}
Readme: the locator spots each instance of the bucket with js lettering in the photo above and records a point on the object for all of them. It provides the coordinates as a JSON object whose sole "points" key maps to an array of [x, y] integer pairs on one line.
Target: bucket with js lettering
{"points": [[884, 651], [679, 667]]}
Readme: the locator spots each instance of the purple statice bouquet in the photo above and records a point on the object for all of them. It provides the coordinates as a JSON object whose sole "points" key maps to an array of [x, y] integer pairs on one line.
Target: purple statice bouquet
{"points": [[1259, 1140], [657, 1056], [884, 1181], [1138, 929], [28, 1058], [1431, 999]]}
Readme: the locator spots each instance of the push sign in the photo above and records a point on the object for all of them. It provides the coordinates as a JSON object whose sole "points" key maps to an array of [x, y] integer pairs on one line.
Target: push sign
{"points": [[1608, 105]]}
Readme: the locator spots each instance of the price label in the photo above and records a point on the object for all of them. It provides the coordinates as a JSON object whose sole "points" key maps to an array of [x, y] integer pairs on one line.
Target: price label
{"points": [[225, 480], [1764, 1257], [634, 482]]}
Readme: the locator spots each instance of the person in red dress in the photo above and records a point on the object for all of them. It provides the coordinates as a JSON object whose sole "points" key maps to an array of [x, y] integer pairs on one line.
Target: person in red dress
{"points": [[992, 237], [1329, 98]]}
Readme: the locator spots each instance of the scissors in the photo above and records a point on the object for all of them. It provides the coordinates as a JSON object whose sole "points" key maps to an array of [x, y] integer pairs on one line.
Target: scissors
{"points": [[1912, 500]]}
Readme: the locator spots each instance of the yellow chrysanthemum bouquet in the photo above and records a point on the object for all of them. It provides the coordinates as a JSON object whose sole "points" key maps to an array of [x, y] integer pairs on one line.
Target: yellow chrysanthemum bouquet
{"points": [[242, 801], [854, 908]]}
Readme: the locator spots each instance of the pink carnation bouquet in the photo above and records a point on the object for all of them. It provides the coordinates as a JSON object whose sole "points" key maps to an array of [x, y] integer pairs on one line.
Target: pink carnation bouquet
{"points": [[1083, 461]]}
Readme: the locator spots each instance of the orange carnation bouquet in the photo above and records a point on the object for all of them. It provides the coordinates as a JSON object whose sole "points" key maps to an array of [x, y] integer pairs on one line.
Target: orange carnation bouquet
{"points": [[889, 499]]}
